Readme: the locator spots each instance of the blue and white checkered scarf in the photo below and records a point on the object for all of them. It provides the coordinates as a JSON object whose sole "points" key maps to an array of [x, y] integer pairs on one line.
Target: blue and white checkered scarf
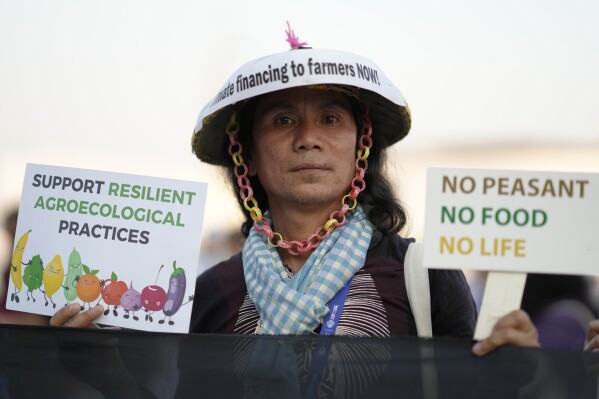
{"points": [[298, 305]]}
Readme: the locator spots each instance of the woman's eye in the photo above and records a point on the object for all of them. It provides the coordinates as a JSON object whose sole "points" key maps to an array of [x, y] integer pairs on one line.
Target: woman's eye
{"points": [[283, 120], [330, 119]]}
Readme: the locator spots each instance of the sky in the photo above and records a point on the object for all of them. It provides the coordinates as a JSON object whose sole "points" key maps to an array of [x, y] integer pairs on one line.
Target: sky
{"points": [[117, 85]]}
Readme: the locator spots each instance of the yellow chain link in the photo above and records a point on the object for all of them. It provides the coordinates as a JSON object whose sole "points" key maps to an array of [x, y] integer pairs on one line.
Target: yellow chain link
{"points": [[363, 153], [232, 126], [354, 204], [328, 226], [277, 243], [237, 159], [252, 200], [256, 214]]}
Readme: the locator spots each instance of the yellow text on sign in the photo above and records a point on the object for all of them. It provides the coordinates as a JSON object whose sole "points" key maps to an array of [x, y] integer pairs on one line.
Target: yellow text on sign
{"points": [[501, 247]]}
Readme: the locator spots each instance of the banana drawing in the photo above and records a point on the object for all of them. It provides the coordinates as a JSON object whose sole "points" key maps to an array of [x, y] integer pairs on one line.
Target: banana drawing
{"points": [[52, 278], [15, 265]]}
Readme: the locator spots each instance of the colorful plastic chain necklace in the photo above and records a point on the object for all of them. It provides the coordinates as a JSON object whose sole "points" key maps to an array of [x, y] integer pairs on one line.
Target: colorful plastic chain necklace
{"points": [[336, 218]]}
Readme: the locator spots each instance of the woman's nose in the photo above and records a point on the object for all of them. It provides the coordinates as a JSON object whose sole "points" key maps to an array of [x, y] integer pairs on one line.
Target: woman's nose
{"points": [[308, 136]]}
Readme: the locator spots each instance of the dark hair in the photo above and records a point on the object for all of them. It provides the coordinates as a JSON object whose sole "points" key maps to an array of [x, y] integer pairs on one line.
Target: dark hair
{"points": [[378, 200]]}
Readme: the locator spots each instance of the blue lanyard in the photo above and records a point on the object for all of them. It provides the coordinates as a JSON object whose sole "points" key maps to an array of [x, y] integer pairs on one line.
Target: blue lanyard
{"points": [[320, 356], [329, 324]]}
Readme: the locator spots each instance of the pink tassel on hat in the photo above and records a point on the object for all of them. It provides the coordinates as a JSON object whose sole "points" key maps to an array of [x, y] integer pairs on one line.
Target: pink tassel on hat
{"points": [[292, 39]]}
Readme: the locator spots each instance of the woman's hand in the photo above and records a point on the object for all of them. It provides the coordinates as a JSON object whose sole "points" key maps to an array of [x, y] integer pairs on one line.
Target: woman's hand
{"points": [[515, 328], [592, 341], [72, 316]]}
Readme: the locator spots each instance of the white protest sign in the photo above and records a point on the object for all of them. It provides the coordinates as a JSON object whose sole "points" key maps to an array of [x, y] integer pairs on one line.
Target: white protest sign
{"points": [[128, 242], [510, 223], [517, 221]]}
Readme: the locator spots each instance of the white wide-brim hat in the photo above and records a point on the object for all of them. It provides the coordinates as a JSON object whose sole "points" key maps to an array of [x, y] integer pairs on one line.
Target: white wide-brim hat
{"points": [[388, 110]]}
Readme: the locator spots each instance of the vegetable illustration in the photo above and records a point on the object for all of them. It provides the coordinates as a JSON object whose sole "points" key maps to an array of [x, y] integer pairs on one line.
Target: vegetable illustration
{"points": [[176, 292], [32, 276], [52, 278], [131, 302], [74, 271], [88, 286], [153, 298], [15, 265], [112, 292]]}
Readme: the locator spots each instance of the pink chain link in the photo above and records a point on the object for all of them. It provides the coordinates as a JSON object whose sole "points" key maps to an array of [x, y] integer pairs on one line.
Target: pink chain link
{"points": [[336, 218]]}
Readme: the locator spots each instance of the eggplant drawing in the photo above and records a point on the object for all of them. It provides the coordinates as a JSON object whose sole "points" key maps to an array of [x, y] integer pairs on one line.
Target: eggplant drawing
{"points": [[176, 292]]}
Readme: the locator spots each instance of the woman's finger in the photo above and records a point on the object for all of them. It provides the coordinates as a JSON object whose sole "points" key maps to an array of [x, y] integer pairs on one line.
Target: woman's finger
{"points": [[71, 316], [515, 328], [592, 340], [63, 315]]}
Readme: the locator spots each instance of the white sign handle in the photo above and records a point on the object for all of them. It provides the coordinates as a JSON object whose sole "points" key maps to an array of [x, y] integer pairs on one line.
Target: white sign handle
{"points": [[503, 293]]}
